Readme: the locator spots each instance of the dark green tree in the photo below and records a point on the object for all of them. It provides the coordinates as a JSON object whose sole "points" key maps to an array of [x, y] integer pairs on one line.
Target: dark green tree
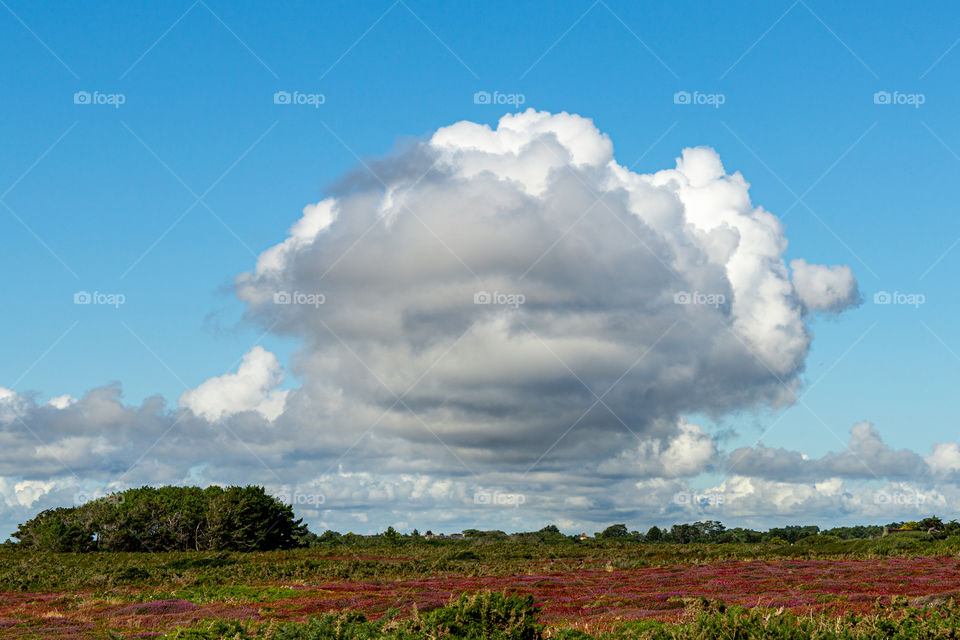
{"points": [[615, 531], [168, 519]]}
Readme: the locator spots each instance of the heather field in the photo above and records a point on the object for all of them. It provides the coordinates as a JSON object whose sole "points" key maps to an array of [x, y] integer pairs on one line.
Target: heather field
{"points": [[894, 587]]}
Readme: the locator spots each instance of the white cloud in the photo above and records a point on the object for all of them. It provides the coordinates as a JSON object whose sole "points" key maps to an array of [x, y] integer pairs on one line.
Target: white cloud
{"points": [[252, 388], [687, 454], [539, 207], [945, 458], [823, 288], [11, 404], [62, 402]]}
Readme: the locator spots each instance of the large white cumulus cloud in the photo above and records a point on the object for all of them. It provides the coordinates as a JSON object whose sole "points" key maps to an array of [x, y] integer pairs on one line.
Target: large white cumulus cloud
{"points": [[497, 309], [667, 293]]}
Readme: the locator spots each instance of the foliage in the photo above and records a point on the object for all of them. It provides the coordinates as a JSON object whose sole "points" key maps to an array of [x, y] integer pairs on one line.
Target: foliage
{"points": [[501, 617], [486, 615], [167, 519], [614, 531]]}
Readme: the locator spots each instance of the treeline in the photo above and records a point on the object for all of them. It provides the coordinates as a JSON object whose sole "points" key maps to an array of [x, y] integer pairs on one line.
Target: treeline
{"points": [[710, 531], [249, 519], [167, 519], [715, 532]]}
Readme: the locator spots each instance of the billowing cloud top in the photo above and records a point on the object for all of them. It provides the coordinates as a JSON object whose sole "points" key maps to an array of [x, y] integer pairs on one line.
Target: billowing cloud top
{"points": [[667, 293]]}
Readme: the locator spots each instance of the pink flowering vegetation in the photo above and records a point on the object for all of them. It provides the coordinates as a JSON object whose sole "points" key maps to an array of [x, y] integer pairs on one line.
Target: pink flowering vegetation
{"points": [[566, 597]]}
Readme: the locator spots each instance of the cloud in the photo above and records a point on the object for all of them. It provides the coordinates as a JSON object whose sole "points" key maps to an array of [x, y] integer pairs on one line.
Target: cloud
{"points": [[498, 309], [11, 404], [865, 456], [688, 454], [667, 293], [61, 402], [823, 288], [945, 458], [252, 388]]}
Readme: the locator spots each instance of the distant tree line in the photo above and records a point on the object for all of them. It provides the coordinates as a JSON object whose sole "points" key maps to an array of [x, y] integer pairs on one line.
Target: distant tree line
{"points": [[709, 531], [167, 519], [249, 519]]}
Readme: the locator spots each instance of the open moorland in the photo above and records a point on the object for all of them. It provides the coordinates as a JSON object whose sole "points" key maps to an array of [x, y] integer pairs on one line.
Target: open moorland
{"points": [[820, 586]]}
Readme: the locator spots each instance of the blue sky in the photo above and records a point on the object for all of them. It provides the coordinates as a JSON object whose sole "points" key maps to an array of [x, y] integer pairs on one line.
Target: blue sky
{"points": [[167, 197]]}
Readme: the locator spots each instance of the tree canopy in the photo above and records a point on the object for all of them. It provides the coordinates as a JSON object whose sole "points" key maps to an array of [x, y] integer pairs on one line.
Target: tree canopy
{"points": [[168, 519]]}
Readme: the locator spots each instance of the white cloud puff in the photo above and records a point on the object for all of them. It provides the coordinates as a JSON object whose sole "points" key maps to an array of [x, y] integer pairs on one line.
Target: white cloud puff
{"points": [[252, 388], [945, 458], [823, 288]]}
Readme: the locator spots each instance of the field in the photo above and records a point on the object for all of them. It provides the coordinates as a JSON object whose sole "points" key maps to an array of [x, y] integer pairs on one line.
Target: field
{"points": [[862, 588]]}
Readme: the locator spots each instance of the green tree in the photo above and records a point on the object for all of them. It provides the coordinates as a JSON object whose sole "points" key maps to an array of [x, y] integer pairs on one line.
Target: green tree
{"points": [[168, 519], [55, 530], [391, 535], [615, 531]]}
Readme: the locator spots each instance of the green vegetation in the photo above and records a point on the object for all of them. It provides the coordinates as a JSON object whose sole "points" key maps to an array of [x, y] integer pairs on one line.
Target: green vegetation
{"points": [[857, 588], [497, 616], [484, 616], [167, 519], [234, 563], [367, 558]]}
